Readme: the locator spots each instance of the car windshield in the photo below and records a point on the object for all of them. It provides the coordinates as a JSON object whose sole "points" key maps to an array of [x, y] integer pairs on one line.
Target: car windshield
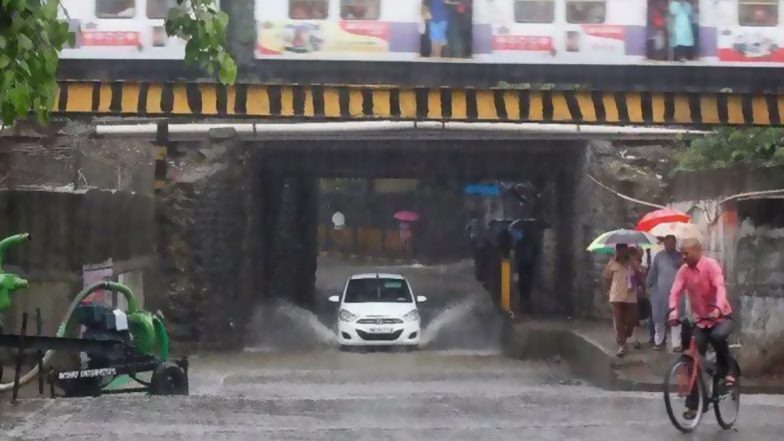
{"points": [[378, 290]]}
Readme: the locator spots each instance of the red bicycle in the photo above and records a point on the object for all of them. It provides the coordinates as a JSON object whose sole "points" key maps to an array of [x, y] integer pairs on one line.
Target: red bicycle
{"points": [[684, 383]]}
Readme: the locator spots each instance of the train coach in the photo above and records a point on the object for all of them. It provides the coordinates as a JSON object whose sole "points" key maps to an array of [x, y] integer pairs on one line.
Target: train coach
{"points": [[613, 32]]}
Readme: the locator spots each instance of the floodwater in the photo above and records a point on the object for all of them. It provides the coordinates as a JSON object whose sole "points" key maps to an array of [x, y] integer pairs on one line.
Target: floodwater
{"points": [[457, 315], [329, 395], [293, 384]]}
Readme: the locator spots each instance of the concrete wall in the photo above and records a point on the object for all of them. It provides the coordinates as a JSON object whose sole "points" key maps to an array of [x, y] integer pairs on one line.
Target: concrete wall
{"points": [[749, 243], [634, 171], [69, 230], [206, 232], [64, 154], [760, 293]]}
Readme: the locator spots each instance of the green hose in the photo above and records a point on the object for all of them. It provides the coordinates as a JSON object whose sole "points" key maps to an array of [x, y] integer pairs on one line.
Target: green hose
{"points": [[111, 286], [9, 282], [163, 339], [10, 241]]}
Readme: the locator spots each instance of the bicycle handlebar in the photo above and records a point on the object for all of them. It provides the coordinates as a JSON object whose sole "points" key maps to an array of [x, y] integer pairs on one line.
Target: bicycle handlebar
{"points": [[700, 319]]}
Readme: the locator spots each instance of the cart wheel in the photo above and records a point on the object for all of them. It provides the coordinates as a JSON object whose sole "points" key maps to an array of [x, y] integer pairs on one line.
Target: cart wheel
{"points": [[168, 379]]}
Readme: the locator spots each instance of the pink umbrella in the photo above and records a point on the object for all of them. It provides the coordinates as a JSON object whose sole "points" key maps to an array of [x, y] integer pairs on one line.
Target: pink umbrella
{"points": [[663, 216], [406, 216]]}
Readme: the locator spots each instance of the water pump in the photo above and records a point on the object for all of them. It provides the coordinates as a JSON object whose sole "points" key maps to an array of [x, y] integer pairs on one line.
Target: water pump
{"points": [[140, 332]]}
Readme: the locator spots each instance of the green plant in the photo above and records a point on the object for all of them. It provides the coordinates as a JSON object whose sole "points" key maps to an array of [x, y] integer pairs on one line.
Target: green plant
{"points": [[729, 147], [32, 36]]}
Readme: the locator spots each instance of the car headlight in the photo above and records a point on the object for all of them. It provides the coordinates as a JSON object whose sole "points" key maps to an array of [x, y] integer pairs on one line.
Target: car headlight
{"points": [[346, 316], [412, 316]]}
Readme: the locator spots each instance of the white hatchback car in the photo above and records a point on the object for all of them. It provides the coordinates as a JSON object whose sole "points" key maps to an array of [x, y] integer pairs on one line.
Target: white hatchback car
{"points": [[378, 310]]}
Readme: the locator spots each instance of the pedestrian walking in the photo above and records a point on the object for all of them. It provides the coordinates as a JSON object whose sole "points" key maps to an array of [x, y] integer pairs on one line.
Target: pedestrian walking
{"points": [[660, 279], [622, 273], [405, 238], [643, 304]]}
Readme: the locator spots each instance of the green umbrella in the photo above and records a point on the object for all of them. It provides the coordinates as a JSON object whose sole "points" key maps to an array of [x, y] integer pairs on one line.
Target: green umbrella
{"points": [[606, 242]]}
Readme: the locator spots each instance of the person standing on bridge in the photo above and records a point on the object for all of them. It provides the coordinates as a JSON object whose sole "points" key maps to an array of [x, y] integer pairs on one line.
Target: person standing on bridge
{"points": [[439, 20], [623, 274], [682, 30]]}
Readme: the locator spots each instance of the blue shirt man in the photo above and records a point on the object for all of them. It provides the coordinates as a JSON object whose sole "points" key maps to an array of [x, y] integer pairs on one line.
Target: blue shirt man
{"points": [[439, 19]]}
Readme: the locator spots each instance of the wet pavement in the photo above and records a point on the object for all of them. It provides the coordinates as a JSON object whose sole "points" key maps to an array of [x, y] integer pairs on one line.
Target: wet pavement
{"points": [[292, 384], [327, 395]]}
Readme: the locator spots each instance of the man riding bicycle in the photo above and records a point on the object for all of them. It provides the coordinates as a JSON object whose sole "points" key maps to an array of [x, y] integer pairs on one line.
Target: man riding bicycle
{"points": [[702, 278]]}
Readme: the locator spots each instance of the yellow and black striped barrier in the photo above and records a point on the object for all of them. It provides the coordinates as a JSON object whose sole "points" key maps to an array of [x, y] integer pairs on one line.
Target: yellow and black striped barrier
{"points": [[309, 102]]}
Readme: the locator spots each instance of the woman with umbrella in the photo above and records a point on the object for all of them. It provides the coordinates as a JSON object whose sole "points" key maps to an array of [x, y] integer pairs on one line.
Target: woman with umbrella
{"points": [[406, 218], [624, 275]]}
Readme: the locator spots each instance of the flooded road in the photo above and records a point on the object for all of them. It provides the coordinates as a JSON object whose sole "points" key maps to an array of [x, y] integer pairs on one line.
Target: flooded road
{"points": [[292, 383], [329, 395]]}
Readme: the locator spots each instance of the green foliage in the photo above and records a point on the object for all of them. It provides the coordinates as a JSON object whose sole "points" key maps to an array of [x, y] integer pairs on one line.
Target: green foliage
{"points": [[203, 26], [31, 37], [30, 40], [729, 147]]}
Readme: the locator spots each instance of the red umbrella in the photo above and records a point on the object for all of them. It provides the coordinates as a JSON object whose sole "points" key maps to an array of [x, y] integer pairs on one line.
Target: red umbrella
{"points": [[406, 216], [663, 216]]}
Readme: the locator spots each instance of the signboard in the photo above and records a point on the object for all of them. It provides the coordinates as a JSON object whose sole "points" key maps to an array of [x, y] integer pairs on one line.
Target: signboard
{"points": [[483, 189], [95, 273]]}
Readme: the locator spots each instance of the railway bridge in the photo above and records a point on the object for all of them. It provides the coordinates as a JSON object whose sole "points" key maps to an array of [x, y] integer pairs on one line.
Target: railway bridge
{"points": [[286, 124]]}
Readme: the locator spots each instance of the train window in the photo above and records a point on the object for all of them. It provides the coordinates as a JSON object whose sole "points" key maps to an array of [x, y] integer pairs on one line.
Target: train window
{"points": [[308, 9], [360, 9], [115, 8], [534, 11], [758, 12], [159, 8], [585, 11]]}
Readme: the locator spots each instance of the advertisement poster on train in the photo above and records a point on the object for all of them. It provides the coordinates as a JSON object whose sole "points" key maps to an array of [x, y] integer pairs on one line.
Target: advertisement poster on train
{"points": [[120, 30], [751, 46], [503, 40], [596, 40], [321, 39], [749, 31], [132, 42]]}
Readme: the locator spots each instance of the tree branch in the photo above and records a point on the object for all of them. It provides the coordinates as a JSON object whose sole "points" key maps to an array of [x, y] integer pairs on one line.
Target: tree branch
{"points": [[750, 194]]}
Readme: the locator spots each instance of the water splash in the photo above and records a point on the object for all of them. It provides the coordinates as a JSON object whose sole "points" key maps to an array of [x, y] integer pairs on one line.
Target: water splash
{"points": [[303, 316], [283, 326], [448, 317]]}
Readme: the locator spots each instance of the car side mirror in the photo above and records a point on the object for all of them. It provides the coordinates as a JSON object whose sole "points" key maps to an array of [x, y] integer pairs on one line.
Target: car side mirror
{"points": [[334, 299], [421, 299]]}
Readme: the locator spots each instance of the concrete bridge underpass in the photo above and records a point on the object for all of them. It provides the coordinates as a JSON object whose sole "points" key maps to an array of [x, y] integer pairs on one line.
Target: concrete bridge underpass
{"points": [[275, 188], [271, 162]]}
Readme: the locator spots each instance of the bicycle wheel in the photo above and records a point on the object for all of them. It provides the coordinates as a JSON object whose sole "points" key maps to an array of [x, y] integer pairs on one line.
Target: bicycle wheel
{"points": [[677, 391], [727, 399]]}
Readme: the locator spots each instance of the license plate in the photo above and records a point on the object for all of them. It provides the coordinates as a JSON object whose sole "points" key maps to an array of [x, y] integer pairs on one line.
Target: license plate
{"points": [[380, 330]]}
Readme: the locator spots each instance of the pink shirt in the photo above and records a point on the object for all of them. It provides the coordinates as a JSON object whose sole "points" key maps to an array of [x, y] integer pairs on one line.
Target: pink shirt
{"points": [[705, 285]]}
